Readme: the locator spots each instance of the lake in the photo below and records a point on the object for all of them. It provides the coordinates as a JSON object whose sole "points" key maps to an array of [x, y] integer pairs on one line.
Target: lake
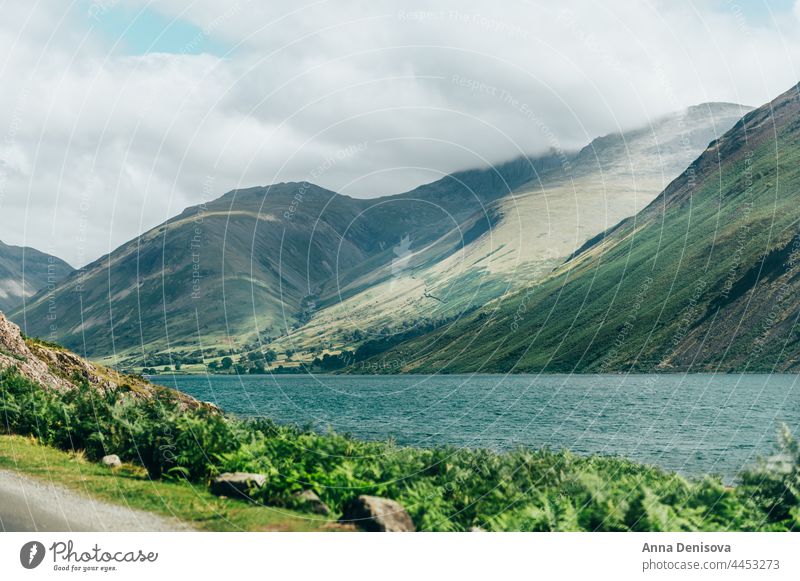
{"points": [[693, 424]]}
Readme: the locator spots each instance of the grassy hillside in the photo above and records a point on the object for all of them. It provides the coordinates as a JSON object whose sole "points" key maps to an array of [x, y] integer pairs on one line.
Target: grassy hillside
{"points": [[249, 266], [704, 278], [573, 197], [24, 272]]}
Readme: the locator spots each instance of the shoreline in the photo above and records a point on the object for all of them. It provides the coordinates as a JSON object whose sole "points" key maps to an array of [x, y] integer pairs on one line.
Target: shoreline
{"points": [[466, 374]]}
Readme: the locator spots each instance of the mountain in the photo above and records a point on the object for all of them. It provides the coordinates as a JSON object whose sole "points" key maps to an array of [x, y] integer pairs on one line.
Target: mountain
{"points": [[232, 273], [705, 278], [296, 268], [518, 239], [24, 271]]}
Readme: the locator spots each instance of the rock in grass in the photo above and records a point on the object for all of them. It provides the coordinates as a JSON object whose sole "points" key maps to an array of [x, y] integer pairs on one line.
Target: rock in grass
{"points": [[308, 500], [237, 484], [112, 461], [375, 514]]}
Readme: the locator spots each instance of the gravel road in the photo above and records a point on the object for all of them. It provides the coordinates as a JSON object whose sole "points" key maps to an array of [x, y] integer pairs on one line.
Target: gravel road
{"points": [[33, 505]]}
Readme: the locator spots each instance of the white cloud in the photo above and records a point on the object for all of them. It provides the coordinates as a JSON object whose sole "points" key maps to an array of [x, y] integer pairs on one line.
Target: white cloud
{"points": [[97, 147]]}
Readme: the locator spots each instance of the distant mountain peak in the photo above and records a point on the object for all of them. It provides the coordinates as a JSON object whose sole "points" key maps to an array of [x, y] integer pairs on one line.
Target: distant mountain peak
{"points": [[24, 271]]}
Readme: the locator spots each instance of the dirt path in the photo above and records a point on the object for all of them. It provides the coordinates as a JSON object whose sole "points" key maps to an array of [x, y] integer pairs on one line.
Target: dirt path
{"points": [[32, 505]]}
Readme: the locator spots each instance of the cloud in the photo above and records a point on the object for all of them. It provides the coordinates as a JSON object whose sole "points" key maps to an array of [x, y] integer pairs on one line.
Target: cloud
{"points": [[98, 145]]}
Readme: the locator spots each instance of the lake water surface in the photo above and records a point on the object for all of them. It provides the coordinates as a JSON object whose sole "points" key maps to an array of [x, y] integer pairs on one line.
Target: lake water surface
{"points": [[693, 424]]}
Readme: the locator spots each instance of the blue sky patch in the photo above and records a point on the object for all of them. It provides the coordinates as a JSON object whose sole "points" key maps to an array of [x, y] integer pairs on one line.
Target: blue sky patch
{"points": [[758, 12], [140, 31]]}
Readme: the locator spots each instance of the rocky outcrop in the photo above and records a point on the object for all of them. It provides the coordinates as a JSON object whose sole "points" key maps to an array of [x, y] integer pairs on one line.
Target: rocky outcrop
{"points": [[54, 367], [15, 352], [237, 484], [375, 514]]}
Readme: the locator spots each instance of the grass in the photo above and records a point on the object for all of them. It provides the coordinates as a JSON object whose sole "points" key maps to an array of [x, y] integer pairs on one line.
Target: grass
{"points": [[130, 486]]}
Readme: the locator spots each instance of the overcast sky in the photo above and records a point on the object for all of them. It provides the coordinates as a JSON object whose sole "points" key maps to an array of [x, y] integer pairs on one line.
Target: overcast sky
{"points": [[117, 114]]}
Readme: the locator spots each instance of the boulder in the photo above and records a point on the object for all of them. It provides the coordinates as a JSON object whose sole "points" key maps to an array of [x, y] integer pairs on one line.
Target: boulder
{"points": [[308, 500], [375, 514], [237, 484], [112, 461]]}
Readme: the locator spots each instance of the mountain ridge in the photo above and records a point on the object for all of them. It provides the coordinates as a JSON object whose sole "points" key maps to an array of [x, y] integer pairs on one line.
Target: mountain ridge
{"points": [[701, 279], [296, 267], [236, 249], [573, 197]]}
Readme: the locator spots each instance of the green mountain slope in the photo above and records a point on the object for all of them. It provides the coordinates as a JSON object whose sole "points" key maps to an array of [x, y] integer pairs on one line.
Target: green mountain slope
{"points": [[704, 278], [572, 198], [248, 266], [24, 271]]}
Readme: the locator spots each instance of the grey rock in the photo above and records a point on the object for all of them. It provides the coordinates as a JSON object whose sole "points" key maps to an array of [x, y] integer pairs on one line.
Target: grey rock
{"points": [[237, 484], [309, 501], [375, 514], [112, 461], [14, 352]]}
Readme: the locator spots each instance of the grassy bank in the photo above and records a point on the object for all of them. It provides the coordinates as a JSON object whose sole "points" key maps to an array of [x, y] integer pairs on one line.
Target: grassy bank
{"points": [[130, 486], [442, 488]]}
